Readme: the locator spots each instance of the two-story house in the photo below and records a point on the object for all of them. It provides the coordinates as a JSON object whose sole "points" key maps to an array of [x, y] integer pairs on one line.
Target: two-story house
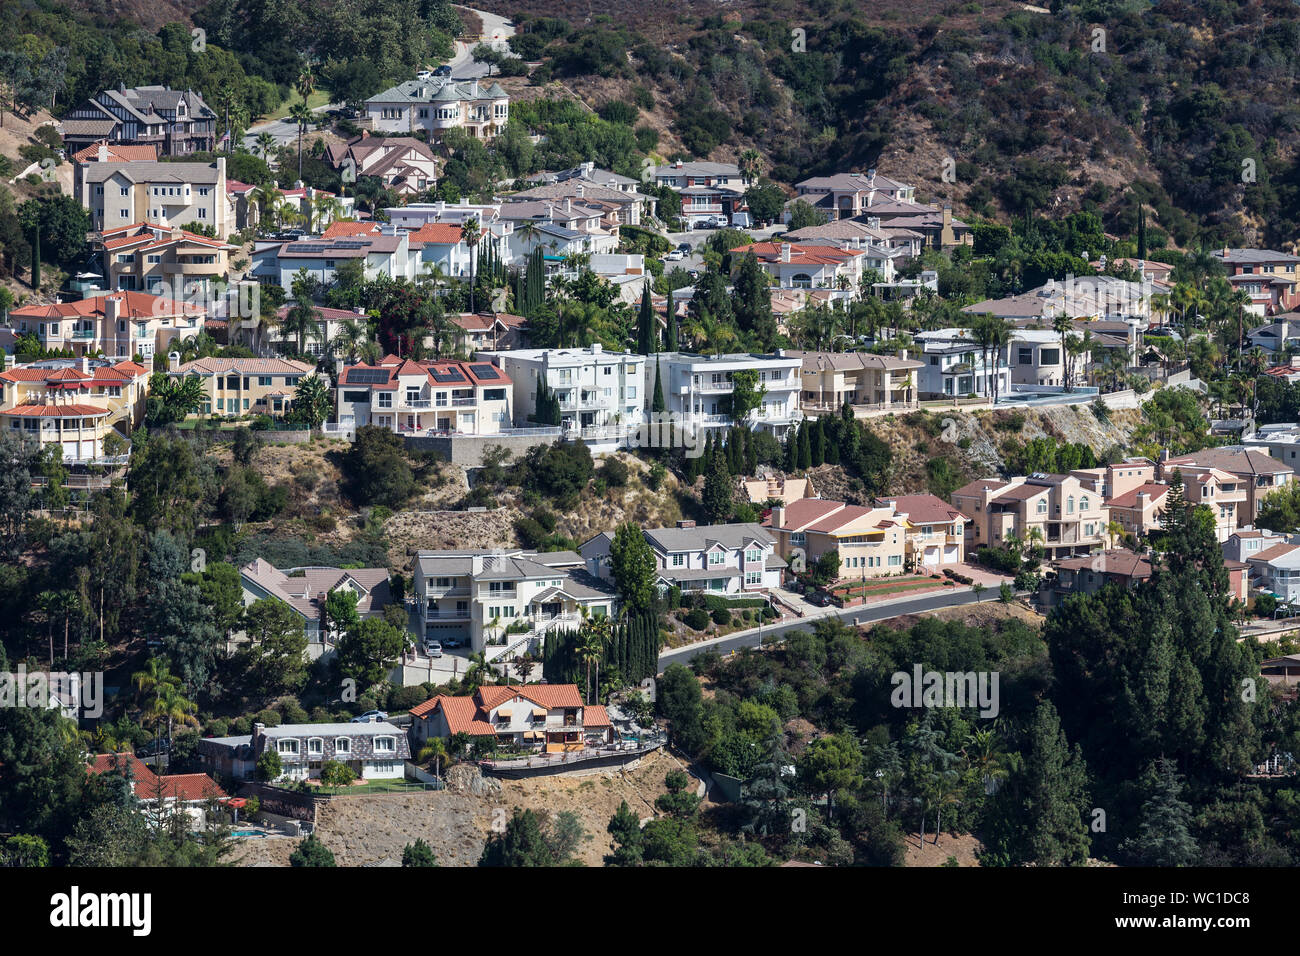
{"points": [[159, 260], [438, 105], [119, 324], [734, 559], [1060, 513], [501, 601], [402, 163], [421, 398], [173, 122], [386, 253], [936, 531], [1268, 277], [1260, 473], [73, 403], [955, 366], [871, 236], [868, 382], [870, 541], [811, 267], [372, 751], [305, 590], [845, 195], [707, 189], [550, 718], [242, 386], [1125, 569]]}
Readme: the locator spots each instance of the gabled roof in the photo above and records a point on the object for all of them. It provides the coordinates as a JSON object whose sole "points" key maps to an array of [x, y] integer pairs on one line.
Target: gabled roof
{"points": [[1155, 491], [925, 509], [1118, 561]]}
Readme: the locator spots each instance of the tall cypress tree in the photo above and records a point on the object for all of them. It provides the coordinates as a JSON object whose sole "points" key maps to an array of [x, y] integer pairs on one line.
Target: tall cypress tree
{"points": [[647, 327], [751, 453], [1142, 231], [670, 330], [657, 404], [805, 447]]}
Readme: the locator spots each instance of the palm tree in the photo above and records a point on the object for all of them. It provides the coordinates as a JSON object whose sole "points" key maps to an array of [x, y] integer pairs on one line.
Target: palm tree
{"points": [[268, 201], [302, 321], [750, 164], [1113, 530], [306, 83], [434, 750], [326, 208], [1064, 325], [265, 143], [301, 114], [471, 234], [352, 333], [480, 671], [370, 352], [591, 649]]}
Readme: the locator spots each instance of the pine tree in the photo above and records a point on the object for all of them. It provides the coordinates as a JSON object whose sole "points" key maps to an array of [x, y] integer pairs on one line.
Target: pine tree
{"points": [[735, 461], [1164, 837], [790, 460]]}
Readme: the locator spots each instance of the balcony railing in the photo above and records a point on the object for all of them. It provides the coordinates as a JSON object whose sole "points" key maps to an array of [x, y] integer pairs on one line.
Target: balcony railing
{"points": [[441, 615], [463, 402]]}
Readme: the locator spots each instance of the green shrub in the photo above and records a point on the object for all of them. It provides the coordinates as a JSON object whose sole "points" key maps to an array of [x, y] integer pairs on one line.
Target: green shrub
{"points": [[722, 617], [697, 619]]}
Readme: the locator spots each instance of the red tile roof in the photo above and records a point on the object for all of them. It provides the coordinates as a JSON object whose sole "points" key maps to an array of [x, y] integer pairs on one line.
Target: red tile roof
{"points": [[439, 233], [926, 509], [1154, 490], [187, 787], [344, 228], [595, 716], [117, 153], [56, 411]]}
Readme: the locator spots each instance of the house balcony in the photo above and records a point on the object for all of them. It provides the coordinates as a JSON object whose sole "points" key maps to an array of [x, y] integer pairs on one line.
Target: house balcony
{"points": [[464, 402], [415, 403], [82, 335], [193, 268], [445, 615], [714, 387]]}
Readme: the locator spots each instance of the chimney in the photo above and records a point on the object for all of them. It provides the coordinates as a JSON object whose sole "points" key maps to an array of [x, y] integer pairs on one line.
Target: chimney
{"points": [[112, 309], [173, 361], [686, 523], [580, 190], [103, 151], [778, 516], [568, 205], [902, 353], [678, 164], [359, 310], [259, 731], [785, 252], [476, 564], [596, 348], [83, 365]]}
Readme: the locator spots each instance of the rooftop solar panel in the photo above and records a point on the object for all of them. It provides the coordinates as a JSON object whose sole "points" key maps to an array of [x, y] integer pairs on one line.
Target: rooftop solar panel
{"points": [[447, 375], [484, 371], [367, 376]]}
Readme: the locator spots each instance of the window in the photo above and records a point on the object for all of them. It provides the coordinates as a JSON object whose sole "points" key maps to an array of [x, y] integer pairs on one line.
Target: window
{"points": [[1049, 357], [1042, 506], [1025, 356], [264, 381], [679, 560], [385, 745], [798, 537], [716, 558], [895, 560], [385, 399], [287, 746], [753, 554], [753, 578], [342, 745], [1083, 503], [315, 746]]}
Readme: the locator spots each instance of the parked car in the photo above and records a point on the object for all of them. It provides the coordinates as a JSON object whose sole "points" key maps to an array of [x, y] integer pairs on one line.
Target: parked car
{"points": [[675, 256], [452, 642], [442, 71], [433, 648], [370, 717], [424, 75], [720, 222], [153, 748], [819, 599], [684, 248], [742, 220]]}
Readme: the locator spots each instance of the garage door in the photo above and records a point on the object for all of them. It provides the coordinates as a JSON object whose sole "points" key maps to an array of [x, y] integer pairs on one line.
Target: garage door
{"points": [[440, 632], [950, 554], [931, 557]]}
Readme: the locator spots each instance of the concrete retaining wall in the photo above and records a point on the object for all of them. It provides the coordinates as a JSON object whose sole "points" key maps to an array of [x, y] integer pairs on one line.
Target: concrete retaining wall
{"points": [[468, 449]]}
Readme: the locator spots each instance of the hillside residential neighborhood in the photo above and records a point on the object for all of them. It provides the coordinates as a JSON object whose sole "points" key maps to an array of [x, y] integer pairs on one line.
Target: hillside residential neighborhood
{"points": [[711, 435]]}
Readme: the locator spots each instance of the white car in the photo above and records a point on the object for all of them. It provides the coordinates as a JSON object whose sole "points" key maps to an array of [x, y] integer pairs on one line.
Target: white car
{"points": [[433, 648], [675, 256]]}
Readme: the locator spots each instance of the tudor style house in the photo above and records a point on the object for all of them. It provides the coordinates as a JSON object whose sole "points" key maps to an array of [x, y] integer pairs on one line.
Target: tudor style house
{"points": [[373, 751], [550, 718], [730, 559], [305, 591], [402, 163], [174, 122], [497, 601], [422, 398]]}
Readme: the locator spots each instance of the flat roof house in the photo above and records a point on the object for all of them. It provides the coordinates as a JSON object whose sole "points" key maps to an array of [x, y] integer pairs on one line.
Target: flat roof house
{"points": [[169, 194], [598, 390], [869, 383], [698, 388]]}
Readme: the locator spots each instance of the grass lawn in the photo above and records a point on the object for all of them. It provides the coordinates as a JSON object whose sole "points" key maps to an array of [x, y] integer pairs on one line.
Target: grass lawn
{"points": [[317, 98], [373, 786]]}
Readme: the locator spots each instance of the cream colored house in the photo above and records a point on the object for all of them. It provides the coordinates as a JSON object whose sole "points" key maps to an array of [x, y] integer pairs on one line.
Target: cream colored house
{"points": [[1069, 516], [872, 542], [244, 386], [505, 602], [146, 257], [119, 325], [425, 398], [170, 194], [1260, 473], [872, 384], [936, 531], [73, 403], [1138, 510]]}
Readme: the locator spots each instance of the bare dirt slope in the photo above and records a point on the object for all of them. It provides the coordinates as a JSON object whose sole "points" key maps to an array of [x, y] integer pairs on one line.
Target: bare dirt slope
{"points": [[365, 829]]}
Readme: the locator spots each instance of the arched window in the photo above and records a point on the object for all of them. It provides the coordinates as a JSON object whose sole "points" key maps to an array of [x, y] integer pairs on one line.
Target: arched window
{"points": [[1083, 503]]}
